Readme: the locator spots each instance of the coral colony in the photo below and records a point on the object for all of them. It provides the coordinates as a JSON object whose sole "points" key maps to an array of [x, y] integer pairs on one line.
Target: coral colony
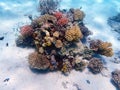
{"points": [[57, 37]]}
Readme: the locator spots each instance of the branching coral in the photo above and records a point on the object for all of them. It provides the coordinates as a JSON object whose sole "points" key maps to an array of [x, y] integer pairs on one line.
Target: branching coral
{"points": [[73, 34], [103, 48], [95, 65], [78, 14], [116, 77], [38, 61]]}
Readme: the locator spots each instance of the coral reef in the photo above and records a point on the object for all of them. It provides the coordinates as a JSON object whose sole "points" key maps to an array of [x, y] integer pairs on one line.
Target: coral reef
{"points": [[26, 30], [100, 47], [116, 77], [73, 33], [38, 61], [80, 64], [57, 37], [78, 14], [95, 65]]}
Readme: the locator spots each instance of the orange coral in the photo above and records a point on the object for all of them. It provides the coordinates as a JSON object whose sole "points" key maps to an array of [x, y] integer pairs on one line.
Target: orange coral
{"points": [[62, 21], [58, 44], [26, 30], [73, 33]]}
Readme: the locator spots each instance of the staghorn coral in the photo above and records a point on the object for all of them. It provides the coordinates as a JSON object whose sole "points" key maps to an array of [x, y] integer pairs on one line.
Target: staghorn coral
{"points": [[73, 33], [103, 48], [78, 14], [116, 77], [38, 61], [95, 65], [26, 30], [62, 21]]}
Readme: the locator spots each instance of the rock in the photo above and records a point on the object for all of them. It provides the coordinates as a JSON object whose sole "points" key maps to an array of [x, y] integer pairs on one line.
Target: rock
{"points": [[116, 77]]}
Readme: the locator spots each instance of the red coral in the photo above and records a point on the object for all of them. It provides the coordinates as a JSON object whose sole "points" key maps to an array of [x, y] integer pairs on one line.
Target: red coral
{"points": [[62, 21], [58, 15], [26, 30]]}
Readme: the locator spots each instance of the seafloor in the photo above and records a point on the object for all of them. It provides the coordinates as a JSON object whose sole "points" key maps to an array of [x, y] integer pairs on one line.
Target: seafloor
{"points": [[15, 73]]}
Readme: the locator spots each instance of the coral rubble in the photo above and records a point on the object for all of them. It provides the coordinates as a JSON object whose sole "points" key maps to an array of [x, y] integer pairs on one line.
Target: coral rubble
{"points": [[56, 35]]}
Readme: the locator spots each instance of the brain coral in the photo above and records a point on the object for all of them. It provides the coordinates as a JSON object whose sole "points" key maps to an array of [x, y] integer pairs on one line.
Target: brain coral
{"points": [[73, 33], [38, 61]]}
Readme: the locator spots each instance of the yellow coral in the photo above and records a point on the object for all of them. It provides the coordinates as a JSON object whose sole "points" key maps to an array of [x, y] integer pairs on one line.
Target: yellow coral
{"points": [[73, 33], [105, 49], [78, 14], [56, 34]]}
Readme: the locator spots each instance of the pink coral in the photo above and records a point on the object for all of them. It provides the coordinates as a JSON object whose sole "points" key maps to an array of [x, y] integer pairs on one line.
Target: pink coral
{"points": [[62, 21], [58, 15], [26, 30]]}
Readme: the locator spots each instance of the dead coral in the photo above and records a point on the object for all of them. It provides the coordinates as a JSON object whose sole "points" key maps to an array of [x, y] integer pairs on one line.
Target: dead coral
{"points": [[38, 61], [95, 65], [73, 33], [103, 48], [116, 77], [78, 14]]}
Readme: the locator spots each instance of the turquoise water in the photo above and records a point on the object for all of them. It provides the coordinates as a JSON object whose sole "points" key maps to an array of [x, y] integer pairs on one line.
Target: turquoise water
{"points": [[13, 61]]}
